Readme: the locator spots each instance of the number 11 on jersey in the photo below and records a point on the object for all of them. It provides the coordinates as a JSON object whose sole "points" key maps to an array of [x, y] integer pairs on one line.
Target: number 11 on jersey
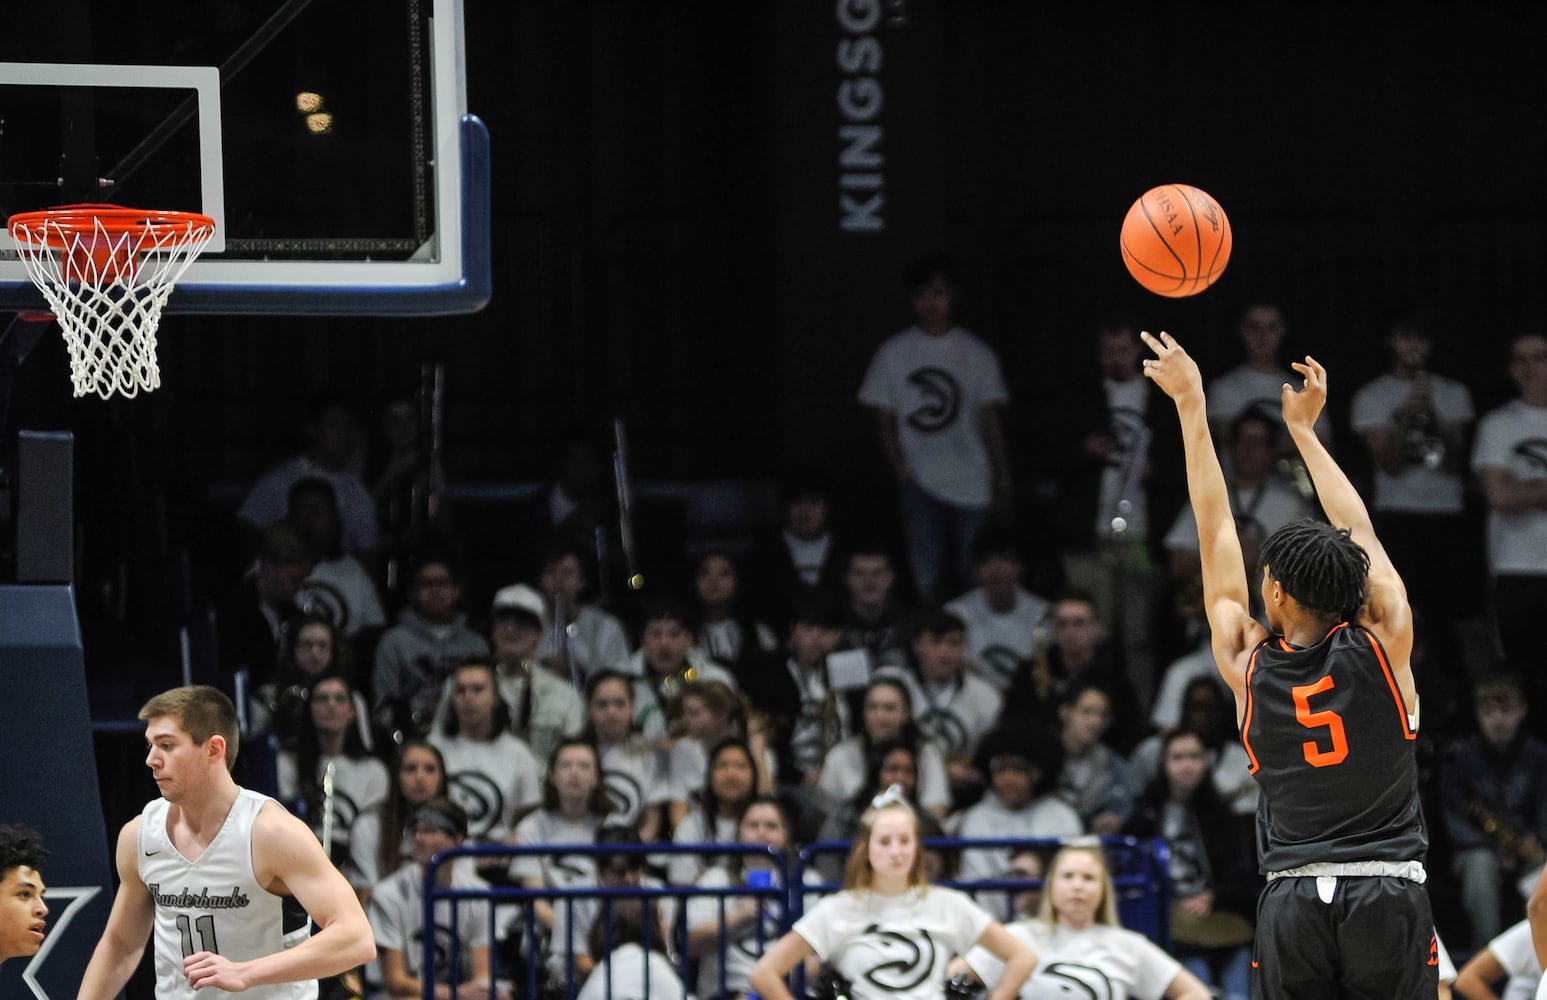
{"points": [[205, 926]]}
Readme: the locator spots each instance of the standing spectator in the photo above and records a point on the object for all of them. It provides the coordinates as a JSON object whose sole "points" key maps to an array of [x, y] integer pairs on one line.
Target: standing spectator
{"points": [[1493, 795], [334, 442], [1417, 425], [1512, 464], [1005, 622], [1119, 489], [937, 392], [579, 637], [415, 656]]}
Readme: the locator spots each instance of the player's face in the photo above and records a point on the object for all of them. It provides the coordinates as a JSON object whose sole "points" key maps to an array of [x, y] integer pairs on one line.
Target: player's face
{"points": [[1185, 765], [716, 581], [176, 763], [893, 844], [1077, 887], [612, 711], [885, 713], [1269, 606], [22, 912], [419, 775], [333, 711], [731, 776], [898, 768], [665, 643], [473, 697], [314, 648], [941, 657], [762, 824]]}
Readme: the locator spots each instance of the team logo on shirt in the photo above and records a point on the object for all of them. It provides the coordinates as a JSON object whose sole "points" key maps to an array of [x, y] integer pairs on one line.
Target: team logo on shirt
{"points": [[901, 961], [1068, 979], [1533, 451], [942, 399], [945, 728], [480, 796], [626, 795], [1001, 661]]}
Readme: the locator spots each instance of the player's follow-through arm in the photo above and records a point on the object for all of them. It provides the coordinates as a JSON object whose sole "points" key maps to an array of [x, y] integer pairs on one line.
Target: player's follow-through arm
{"points": [[1225, 593]]}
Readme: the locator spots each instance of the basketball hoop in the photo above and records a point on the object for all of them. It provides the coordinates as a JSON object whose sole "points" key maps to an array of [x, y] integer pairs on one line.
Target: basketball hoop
{"points": [[106, 272]]}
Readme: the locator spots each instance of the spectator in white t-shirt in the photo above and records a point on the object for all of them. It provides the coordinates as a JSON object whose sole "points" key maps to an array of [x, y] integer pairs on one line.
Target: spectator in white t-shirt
{"points": [[937, 391], [1006, 623]]}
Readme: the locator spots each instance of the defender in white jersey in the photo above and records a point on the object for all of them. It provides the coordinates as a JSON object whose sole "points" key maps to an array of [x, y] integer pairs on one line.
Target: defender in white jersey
{"points": [[221, 878]]}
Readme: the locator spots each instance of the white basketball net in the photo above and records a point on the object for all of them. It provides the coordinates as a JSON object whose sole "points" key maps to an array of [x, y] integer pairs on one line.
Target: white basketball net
{"points": [[107, 288]]}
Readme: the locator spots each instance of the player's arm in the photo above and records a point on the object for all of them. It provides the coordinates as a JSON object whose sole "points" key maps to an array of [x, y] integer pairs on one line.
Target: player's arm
{"points": [[118, 954], [1386, 610], [1225, 594], [288, 860], [1476, 978]]}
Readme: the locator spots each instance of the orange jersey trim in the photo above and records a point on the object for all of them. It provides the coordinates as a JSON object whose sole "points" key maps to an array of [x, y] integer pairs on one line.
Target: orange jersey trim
{"points": [[1246, 721], [1391, 682]]}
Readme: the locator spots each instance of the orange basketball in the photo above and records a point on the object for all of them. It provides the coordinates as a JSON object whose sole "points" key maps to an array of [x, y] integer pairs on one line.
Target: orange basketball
{"points": [[1176, 240]]}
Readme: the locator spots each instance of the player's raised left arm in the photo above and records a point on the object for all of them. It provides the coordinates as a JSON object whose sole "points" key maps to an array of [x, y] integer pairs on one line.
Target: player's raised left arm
{"points": [[288, 860], [1386, 609]]}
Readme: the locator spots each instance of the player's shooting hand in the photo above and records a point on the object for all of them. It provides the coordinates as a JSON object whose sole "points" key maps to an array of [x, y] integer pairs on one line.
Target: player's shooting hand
{"points": [[1171, 368], [1303, 407], [206, 969]]}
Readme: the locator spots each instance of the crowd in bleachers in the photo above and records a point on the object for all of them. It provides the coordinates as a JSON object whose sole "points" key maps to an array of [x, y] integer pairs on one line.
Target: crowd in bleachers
{"points": [[798, 675]]}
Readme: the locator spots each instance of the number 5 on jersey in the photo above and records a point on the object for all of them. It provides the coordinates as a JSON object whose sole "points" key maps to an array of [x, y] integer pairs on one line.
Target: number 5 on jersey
{"points": [[1326, 719], [205, 926]]}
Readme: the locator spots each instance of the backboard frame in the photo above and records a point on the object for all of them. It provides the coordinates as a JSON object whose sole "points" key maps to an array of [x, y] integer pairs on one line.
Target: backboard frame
{"points": [[449, 274]]}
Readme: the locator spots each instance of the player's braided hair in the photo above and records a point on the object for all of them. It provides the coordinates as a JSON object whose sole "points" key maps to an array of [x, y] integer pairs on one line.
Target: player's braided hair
{"points": [[1320, 566]]}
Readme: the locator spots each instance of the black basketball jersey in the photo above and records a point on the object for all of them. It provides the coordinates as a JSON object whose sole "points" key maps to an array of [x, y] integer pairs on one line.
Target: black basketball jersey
{"points": [[1332, 748]]}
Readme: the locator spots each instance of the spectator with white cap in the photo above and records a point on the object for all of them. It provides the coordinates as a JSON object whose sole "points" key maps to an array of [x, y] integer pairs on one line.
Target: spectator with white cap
{"points": [[544, 709]]}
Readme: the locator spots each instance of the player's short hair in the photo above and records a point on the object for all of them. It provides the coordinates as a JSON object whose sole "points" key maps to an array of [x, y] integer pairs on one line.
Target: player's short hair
{"points": [[20, 846], [1320, 566], [202, 711]]}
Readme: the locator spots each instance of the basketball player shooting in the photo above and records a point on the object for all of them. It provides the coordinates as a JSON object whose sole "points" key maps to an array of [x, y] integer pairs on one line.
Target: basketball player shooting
{"points": [[222, 879], [1328, 716]]}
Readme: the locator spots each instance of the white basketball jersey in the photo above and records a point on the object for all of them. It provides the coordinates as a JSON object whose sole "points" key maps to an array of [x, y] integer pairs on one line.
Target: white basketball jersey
{"points": [[216, 904]]}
